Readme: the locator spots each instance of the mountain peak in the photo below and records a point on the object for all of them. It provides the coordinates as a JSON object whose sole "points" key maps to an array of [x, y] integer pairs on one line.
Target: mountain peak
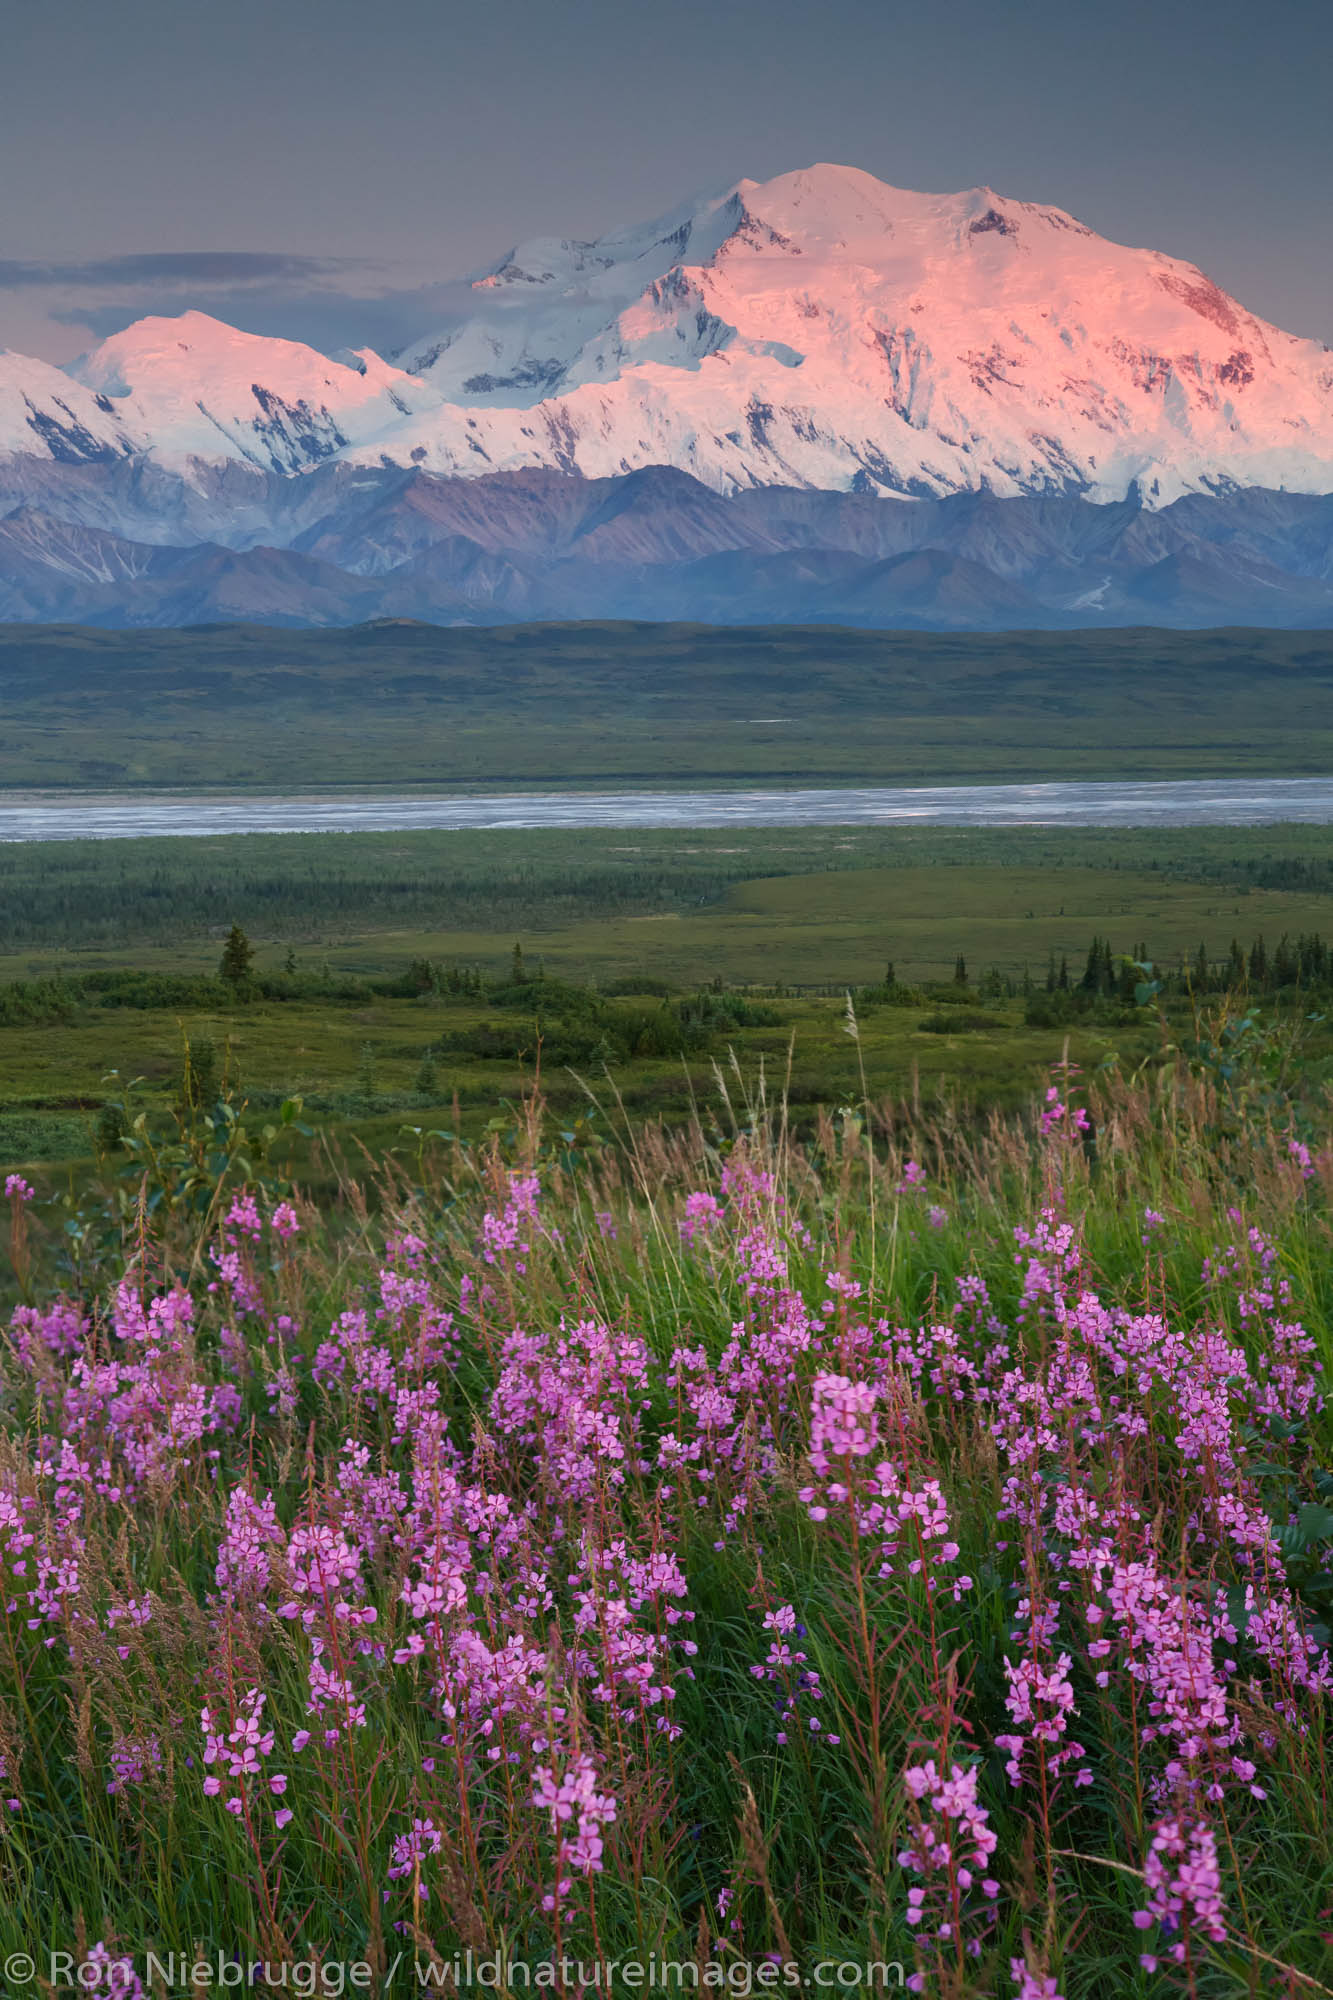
{"points": [[202, 389], [819, 329]]}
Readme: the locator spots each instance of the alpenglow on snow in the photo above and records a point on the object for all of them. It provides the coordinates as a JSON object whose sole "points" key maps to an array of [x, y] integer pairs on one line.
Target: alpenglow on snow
{"points": [[819, 330]]}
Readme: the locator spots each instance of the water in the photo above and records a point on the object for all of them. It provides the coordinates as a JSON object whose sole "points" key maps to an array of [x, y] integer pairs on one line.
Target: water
{"points": [[1188, 802]]}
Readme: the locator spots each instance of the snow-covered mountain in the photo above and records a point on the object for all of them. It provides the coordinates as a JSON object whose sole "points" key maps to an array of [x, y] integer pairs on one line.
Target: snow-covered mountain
{"points": [[820, 329], [43, 414], [197, 389], [595, 435]]}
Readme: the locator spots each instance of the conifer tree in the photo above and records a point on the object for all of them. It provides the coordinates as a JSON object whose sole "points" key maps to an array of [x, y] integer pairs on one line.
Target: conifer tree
{"points": [[238, 955], [1092, 971]]}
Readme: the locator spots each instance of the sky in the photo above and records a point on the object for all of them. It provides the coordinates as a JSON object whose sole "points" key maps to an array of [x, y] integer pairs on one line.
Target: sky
{"points": [[328, 170]]}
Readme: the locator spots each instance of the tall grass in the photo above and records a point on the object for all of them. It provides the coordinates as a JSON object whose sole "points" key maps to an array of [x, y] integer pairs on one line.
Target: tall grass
{"points": [[905, 1545]]}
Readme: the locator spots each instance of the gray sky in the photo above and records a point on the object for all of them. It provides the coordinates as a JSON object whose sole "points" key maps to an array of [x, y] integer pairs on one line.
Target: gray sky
{"points": [[322, 168]]}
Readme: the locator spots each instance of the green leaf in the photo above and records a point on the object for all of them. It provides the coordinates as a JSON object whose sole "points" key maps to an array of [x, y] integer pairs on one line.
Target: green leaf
{"points": [[1315, 1522]]}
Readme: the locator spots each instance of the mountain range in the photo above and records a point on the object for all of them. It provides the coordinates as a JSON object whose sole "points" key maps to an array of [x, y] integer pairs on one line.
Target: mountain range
{"points": [[817, 399]]}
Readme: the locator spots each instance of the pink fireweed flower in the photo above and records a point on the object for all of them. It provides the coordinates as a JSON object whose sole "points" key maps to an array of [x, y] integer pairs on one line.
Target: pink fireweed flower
{"points": [[134, 1759], [509, 1232], [703, 1212], [246, 1550], [844, 1421], [1040, 1702], [951, 1842], [17, 1189], [101, 1973], [1058, 1114], [239, 1751], [578, 1814], [786, 1668], [845, 1429], [1032, 1984], [243, 1218], [411, 1849], [1184, 1888]]}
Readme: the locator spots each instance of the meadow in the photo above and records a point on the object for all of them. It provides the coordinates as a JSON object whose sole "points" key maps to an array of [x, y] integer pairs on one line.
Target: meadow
{"points": [[897, 1551], [401, 705], [110, 950], [746, 1402]]}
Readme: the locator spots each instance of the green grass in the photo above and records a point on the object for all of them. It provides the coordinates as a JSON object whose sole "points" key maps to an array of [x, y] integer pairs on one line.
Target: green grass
{"points": [[317, 1050], [397, 705], [804, 1840], [376, 900], [812, 911]]}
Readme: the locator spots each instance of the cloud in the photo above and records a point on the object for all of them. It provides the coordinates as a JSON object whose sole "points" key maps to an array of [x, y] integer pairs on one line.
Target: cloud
{"points": [[172, 268], [323, 318], [59, 309]]}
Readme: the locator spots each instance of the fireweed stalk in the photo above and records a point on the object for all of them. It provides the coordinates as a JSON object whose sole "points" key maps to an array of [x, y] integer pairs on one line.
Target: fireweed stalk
{"points": [[581, 1563]]}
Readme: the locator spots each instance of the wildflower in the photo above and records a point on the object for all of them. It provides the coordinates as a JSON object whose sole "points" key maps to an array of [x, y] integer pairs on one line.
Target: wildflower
{"points": [[99, 1972], [1184, 1887], [949, 1850], [578, 1813], [1040, 1701], [17, 1189], [1032, 1984], [133, 1759], [412, 1848], [703, 1212]]}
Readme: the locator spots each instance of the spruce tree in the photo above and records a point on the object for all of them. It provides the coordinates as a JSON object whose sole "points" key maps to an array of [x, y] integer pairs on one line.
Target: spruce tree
{"points": [[238, 955], [1092, 971]]}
